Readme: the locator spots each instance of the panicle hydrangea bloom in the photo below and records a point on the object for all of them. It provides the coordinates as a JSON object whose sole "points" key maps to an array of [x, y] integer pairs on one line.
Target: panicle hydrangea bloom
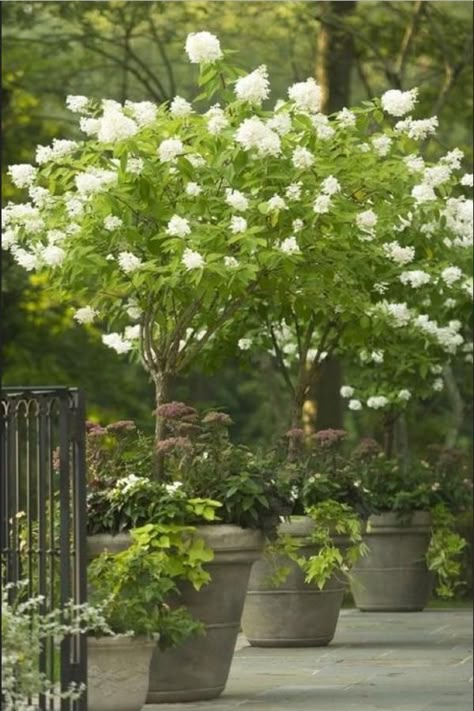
{"points": [[86, 314], [355, 405], [170, 149], [203, 48], [399, 313], [346, 118], [144, 112], [115, 126], [290, 246], [382, 145], [193, 189], [128, 262], [414, 163], [77, 104], [423, 193], [217, 121], [135, 166], [112, 222], [322, 204], [377, 402], [254, 87], [237, 224], [415, 278], [366, 220], [231, 262], [346, 391], [254, 133], [281, 123], [245, 344], [192, 260], [398, 103], [116, 342], [22, 175], [418, 130], [60, 148], [179, 107], [306, 95], [450, 275], [404, 395], [436, 175], [178, 227], [276, 203], [453, 158], [330, 185], [293, 191], [297, 225], [236, 199], [52, 255], [398, 254], [302, 158], [467, 180]]}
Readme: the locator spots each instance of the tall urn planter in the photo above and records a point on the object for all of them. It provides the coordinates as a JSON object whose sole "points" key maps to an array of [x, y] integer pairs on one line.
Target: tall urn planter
{"points": [[198, 669], [294, 614], [394, 576]]}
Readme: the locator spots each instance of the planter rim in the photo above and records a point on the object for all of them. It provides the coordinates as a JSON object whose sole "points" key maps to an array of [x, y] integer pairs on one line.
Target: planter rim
{"points": [[393, 519], [122, 641], [229, 537]]}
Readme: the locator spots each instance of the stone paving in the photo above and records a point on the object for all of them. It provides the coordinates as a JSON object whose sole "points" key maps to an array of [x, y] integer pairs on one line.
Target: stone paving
{"points": [[377, 661]]}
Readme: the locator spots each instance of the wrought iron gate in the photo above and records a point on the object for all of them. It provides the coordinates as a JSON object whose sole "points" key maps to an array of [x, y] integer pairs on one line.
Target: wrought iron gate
{"points": [[43, 515]]}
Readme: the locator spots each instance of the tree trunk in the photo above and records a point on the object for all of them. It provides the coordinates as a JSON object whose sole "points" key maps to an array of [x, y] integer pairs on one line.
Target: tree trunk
{"points": [[335, 59], [161, 382]]}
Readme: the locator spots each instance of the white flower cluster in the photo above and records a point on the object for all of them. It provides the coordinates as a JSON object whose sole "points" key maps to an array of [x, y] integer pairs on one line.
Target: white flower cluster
{"points": [[128, 262], [398, 254], [302, 158], [377, 402], [94, 180], [398, 103], [236, 199], [418, 130], [203, 48], [254, 87], [59, 149], [144, 112], [112, 223], [77, 104], [253, 133], [290, 246], [459, 219], [170, 149], [117, 342], [178, 227], [179, 107], [366, 222], [381, 145], [415, 278], [306, 95], [346, 118], [86, 314], [217, 121], [237, 224], [193, 260], [22, 175]]}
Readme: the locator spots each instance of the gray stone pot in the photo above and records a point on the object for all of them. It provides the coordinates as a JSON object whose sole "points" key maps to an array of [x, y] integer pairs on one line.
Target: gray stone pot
{"points": [[106, 543], [394, 576], [198, 669], [117, 673], [295, 614]]}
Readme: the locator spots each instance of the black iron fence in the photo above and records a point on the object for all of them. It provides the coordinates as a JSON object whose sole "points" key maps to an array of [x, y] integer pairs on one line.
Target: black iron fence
{"points": [[43, 516]]}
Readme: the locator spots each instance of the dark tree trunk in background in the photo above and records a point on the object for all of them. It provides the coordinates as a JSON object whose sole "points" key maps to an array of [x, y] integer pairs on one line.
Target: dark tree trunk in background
{"points": [[335, 58]]}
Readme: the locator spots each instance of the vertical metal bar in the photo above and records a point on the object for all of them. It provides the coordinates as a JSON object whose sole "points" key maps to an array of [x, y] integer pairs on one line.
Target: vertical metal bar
{"points": [[5, 537], [64, 536], [80, 533], [42, 523]]}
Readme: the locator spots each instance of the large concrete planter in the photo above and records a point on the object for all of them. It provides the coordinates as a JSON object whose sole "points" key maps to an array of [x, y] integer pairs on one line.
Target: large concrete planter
{"points": [[198, 669], [294, 614], [106, 543], [117, 673], [394, 576]]}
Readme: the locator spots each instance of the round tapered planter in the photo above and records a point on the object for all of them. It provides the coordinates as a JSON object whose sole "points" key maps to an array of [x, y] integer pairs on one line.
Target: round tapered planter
{"points": [[294, 614], [198, 669], [394, 577], [117, 672]]}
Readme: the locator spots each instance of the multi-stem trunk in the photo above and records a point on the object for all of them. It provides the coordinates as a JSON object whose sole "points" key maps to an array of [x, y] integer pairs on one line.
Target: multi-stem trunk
{"points": [[161, 381]]}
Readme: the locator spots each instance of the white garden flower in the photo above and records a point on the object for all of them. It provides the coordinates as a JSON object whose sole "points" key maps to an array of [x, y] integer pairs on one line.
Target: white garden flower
{"points": [[346, 118], [398, 313], [377, 357], [297, 225], [346, 391], [77, 104], [451, 275], [9, 238], [112, 223], [322, 204], [237, 224], [128, 262], [366, 220], [203, 48], [86, 314], [290, 246], [404, 395], [178, 227], [192, 260], [55, 236], [280, 122], [144, 112], [245, 344], [193, 189], [414, 163], [436, 175], [132, 333], [25, 259], [355, 405], [330, 186], [306, 95], [52, 255], [302, 158], [418, 130], [94, 181], [254, 87], [236, 199], [216, 120], [276, 203], [253, 133], [89, 126], [116, 342], [453, 158], [398, 254], [293, 191], [170, 149], [40, 197], [438, 384], [115, 126], [398, 103], [376, 402], [324, 130], [135, 166], [382, 145], [133, 310], [415, 278], [179, 107], [74, 206], [22, 175], [467, 180], [231, 262], [60, 148]]}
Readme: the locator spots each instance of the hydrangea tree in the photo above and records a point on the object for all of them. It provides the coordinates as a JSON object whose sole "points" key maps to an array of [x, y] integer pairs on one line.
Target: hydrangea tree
{"points": [[171, 225]]}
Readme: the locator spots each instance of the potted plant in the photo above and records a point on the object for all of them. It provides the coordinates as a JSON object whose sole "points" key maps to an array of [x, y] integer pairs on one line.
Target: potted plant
{"points": [[296, 589], [207, 482], [133, 589], [410, 533]]}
